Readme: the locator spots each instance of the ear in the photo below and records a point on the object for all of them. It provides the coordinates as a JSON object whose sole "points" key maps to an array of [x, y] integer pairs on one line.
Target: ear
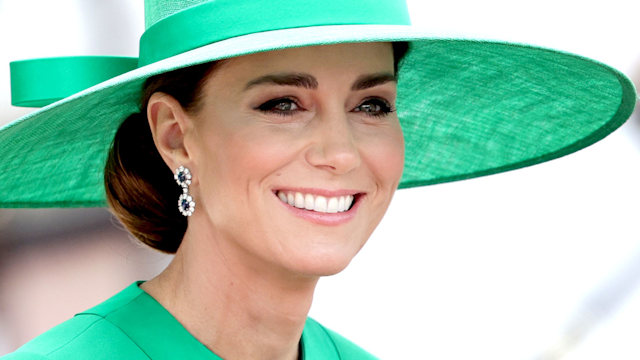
{"points": [[169, 125]]}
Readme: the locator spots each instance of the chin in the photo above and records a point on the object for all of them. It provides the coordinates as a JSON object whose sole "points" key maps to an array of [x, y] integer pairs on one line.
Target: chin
{"points": [[324, 254], [328, 269], [324, 264]]}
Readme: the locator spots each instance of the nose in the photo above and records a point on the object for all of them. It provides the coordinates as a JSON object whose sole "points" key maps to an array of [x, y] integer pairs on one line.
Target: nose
{"points": [[334, 147]]}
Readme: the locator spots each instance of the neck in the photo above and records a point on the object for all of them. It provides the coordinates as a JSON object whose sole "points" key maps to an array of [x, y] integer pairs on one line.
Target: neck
{"points": [[238, 309]]}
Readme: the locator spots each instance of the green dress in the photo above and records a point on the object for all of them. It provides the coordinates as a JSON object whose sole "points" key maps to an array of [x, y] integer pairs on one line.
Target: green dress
{"points": [[132, 325]]}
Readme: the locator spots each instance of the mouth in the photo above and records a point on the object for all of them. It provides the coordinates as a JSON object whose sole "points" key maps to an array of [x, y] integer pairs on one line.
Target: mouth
{"points": [[313, 202]]}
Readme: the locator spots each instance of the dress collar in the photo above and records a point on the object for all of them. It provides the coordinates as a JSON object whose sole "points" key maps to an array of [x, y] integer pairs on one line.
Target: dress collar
{"points": [[159, 335]]}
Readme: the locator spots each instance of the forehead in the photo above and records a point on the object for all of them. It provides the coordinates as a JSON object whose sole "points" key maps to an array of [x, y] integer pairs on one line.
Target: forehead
{"points": [[358, 58]]}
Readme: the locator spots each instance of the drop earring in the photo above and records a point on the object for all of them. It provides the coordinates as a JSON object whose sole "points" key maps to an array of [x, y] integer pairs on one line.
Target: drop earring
{"points": [[186, 205]]}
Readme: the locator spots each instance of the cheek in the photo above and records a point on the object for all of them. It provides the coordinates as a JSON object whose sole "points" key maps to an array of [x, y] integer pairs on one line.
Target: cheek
{"points": [[385, 156], [237, 161], [244, 157]]}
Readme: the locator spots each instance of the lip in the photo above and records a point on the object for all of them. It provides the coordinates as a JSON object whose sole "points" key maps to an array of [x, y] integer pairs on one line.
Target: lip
{"points": [[329, 219]]}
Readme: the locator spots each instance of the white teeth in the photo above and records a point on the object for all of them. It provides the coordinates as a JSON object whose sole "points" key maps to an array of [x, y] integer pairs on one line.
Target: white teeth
{"points": [[299, 201], [332, 206], [347, 201], [321, 204], [316, 203], [308, 202]]}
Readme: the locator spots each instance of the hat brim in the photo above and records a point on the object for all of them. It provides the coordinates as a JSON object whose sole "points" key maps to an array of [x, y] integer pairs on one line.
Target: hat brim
{"points": [[467, 107]]}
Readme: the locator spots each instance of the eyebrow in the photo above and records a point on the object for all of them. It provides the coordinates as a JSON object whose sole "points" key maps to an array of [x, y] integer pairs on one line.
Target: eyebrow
{"points": [[287, 79], [372, 80], [308, 81]]}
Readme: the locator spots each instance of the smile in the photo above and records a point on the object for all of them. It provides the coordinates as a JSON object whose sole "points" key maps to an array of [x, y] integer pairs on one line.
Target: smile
{"points": [[317, 203]]}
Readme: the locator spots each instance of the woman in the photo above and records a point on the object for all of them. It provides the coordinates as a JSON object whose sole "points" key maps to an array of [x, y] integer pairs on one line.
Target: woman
{"points": [[293, 157]]}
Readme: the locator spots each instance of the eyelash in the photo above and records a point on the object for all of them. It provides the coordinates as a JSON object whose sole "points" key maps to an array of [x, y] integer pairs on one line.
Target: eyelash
{"points": [[384, 107], [269, 107]]}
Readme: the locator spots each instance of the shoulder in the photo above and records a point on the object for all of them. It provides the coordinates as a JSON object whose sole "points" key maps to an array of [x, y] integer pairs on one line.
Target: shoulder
{"points": [[346, 349], [88, 335], [85, 336]]}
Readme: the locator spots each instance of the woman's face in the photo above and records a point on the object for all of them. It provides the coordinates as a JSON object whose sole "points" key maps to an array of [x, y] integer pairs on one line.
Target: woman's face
{"points": [[284, 142]]}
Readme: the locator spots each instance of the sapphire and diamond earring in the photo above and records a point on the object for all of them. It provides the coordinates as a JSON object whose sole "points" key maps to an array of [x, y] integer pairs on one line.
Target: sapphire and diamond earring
{"points": [[186, 205]]}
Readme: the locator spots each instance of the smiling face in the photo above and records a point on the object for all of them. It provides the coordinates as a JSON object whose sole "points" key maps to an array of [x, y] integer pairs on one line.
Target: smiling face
{"points": [[295, 155]]}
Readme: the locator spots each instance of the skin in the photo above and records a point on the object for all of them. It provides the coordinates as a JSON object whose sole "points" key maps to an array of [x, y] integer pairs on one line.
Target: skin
{"points": [[243, 278]]}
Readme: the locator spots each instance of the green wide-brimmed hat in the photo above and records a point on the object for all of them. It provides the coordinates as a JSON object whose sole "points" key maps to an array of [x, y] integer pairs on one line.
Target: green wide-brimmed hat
{"points": [[467, 108]]}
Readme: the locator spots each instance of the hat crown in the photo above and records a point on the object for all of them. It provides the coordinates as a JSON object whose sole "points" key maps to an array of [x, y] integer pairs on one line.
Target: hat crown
{"points": [[156, 10]]}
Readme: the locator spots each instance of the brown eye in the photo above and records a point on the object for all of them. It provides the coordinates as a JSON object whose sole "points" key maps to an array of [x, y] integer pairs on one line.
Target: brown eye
{"points": [[280, 106], [374, 107]]}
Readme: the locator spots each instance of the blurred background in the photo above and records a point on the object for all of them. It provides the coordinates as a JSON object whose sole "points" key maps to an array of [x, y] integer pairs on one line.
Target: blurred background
{"points": [[538, 263]]}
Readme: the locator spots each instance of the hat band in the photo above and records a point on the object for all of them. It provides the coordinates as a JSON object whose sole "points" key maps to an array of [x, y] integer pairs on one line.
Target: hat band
{"points": [[218, 20], [40, 82]]}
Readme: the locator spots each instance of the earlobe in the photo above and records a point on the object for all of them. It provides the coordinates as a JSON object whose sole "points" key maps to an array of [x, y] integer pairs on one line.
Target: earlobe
{"points": [[169, 124]]}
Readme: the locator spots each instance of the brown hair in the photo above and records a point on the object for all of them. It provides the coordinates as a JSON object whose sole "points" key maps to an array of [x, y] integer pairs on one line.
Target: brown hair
{"points": [[139, 186]]}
